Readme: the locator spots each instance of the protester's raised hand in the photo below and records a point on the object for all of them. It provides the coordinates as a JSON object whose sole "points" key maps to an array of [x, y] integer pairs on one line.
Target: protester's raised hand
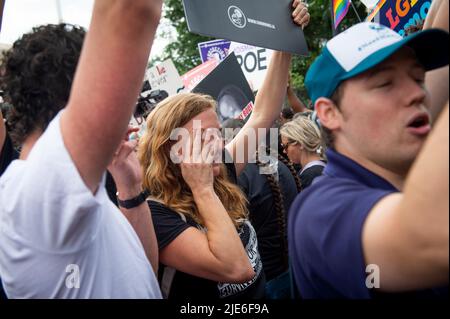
{"points": [[300, 15], [125, 167]]}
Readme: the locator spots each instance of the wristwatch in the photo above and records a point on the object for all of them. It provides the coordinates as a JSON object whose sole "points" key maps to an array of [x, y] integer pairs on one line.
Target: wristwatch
{"points": [[133, 202]]}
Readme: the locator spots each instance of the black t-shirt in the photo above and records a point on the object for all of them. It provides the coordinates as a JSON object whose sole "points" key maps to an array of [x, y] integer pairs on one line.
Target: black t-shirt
{"points": [[2, 292], [111, 188], [169, 225], [308, 176], [7, 155], [263, 214]]}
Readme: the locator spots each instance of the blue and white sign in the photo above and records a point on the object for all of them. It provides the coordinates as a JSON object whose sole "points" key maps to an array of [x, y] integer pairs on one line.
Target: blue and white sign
{"points": [[215, 49]]}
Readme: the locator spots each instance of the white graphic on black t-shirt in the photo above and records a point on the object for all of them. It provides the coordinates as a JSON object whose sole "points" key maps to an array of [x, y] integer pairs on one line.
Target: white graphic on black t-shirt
{"points": [[246, 232]]}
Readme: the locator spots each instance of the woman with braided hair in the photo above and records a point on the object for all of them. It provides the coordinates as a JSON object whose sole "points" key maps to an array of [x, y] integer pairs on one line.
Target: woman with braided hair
{"points": [[291, 168], [270, 193]]}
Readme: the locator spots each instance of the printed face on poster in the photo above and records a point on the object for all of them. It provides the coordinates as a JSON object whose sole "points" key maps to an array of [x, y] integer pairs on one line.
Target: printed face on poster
{"points": [[229, 87], [263, 23]]}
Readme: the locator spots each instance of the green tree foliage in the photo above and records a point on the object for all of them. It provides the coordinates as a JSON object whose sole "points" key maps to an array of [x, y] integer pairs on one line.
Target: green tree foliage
{"points": [[318, 32], [184, 51]]}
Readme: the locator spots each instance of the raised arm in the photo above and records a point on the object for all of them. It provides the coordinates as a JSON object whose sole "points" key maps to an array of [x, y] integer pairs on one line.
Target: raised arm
{"points": [[107, 82], [268, 104], [407, 235], [295, 103], [269, 100], [437, 80]]}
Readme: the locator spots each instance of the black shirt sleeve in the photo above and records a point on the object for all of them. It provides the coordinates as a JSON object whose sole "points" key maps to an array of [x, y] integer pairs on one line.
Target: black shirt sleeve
{"points": [[168, 224], [7, 155], [231, 167], [308, 176], [111, 188]]}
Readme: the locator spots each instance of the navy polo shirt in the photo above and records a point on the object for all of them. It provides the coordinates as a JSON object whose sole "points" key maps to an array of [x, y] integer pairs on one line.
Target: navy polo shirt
{"points": [[325, 230]]}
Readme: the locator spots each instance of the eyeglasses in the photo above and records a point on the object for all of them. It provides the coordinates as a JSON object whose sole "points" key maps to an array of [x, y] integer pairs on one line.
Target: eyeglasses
{"points": [[286, 146]]}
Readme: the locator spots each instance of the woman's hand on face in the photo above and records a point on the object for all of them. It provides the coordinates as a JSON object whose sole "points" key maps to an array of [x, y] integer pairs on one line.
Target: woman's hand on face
{"points": [[197, 167]]}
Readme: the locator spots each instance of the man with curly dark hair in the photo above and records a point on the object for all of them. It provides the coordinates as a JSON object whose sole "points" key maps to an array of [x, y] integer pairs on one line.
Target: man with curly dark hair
{"points": [[60, 235], [38, 73], [7, 152]]}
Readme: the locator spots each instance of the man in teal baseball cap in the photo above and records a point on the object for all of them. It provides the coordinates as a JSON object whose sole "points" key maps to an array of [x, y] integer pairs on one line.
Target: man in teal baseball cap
{"points": [[363, 47], [372, 225]]}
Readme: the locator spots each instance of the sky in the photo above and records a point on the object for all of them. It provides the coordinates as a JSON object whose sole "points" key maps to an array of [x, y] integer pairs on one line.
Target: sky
{"points": [[20, 16]]}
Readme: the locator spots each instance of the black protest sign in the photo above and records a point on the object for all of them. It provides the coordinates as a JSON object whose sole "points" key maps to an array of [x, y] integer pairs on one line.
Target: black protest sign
{"points": [[229, 87], [263, 23]]}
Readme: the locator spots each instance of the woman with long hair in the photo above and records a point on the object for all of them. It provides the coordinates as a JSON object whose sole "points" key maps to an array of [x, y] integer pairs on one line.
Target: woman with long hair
{"points": [[197, 210], [208, 248]]}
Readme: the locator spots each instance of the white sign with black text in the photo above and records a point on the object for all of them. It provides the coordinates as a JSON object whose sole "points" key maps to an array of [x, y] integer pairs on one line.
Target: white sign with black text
{"points": [[254, 62], [164, 76]]}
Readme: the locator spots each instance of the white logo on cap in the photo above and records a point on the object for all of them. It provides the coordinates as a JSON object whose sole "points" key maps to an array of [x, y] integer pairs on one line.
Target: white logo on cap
{"points": [[377, 27], [357, 43], [237, 17]]}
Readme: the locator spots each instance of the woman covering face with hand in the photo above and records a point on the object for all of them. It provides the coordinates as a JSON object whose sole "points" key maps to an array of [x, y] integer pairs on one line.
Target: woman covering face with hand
{"points": [[207, 247], [200, 216]]}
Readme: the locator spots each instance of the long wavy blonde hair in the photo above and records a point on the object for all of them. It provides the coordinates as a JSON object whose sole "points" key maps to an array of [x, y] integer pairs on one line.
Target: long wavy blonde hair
{"points": [[163, 178]]}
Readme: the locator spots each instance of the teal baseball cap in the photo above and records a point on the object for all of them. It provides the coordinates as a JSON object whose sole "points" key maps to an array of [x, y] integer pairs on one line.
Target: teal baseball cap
{"points": [[365, 45]]}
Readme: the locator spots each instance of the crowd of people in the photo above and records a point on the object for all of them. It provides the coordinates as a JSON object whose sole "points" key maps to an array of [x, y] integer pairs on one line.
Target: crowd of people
{"points": [[349, 200]]}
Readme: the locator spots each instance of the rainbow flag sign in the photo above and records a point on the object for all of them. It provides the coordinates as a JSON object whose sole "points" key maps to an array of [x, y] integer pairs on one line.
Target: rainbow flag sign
{"points": [[400, 17], [340, 9]]}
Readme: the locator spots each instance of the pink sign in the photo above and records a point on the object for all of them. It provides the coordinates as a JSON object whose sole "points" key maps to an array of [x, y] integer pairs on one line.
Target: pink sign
{"points": [[196, 75]]}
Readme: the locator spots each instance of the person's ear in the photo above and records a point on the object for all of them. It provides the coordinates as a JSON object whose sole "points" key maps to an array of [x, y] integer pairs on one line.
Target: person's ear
{"points": [[328, 113]]}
